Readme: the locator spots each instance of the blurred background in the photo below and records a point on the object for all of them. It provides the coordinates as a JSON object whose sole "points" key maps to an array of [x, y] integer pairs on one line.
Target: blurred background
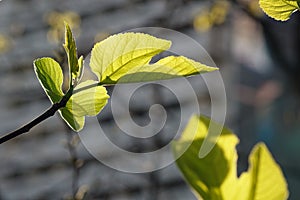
{"points": [[258, 59]]}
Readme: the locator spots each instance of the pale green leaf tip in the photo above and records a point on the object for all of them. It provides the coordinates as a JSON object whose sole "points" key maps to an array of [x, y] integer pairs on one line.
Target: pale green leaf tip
{"points": [[68, 33], [211, 69], [67, 27], [80, 63], [80, 59], [80, 68]]}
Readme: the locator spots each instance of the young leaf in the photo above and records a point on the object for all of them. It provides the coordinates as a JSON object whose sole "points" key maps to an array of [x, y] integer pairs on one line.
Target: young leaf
{"points": [[50, 76], [166, 68], [70, 48], [125, 58], [87, 102], [279, 9], [214, 176], [118, 54]]}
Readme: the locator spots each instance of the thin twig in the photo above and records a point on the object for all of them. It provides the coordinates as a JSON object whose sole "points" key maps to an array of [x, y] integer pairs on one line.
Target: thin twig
{"points": [[48, 113]]}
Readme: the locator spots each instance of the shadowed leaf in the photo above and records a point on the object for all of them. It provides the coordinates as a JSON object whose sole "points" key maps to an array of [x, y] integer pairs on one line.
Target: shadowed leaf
{"points": [[264, 179], [214, 177]]}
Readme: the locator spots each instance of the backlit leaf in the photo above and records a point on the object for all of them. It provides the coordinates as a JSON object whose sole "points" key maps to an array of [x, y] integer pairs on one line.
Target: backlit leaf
{"points": [[70, 48], [264, 179], [80, 70], [119, 53], [50, 76], [279, 9], [129, 55], [87, 102], [214, 177], [166, 68]]}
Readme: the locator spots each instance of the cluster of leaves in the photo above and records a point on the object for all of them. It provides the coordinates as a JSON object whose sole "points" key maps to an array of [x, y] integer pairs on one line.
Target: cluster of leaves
{"points": [[215, 176], [125, 58], [279, 9], [121, 58]]}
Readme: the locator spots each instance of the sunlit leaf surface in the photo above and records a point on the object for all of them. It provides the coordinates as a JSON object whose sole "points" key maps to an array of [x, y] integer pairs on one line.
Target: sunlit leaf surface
{"points": [[50, 76], [125, 57], [214, 176], [279, 9]]}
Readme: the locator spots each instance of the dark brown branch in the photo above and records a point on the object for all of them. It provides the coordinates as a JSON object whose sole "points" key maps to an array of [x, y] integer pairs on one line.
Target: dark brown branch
{"points": [[48, 113]]}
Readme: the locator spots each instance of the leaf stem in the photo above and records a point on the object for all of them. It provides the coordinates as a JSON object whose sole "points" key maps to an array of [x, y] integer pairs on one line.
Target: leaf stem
{"points": [[88, 87], [48, 113]]}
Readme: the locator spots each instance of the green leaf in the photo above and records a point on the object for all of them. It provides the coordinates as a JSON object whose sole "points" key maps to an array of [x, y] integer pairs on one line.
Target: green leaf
{"points": [[166, 68], [80, 71], [264, 179], [279, 9], [74, 122], [89, 101], [119, 53], [70, 48], [125, 57], [214, 177], [50, 76]]}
